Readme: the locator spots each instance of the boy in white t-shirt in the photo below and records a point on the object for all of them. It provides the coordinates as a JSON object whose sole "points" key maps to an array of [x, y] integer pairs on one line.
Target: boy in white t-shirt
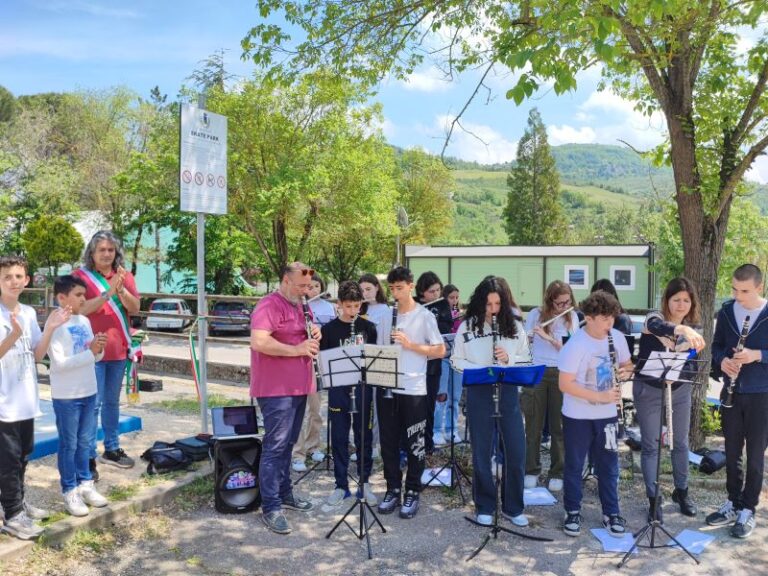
{"points": [[74, 351], [405, 414], [590, 418], [21, 345]]}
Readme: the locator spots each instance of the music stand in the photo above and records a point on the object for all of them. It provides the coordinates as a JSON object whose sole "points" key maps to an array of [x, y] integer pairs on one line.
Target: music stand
{"points": [[457, 472], [355, 361], [527, 375], [675, 363]]}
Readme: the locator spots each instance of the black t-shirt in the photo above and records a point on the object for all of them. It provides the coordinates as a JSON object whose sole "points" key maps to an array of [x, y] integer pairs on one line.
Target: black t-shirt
{"points": [[337, 333]]}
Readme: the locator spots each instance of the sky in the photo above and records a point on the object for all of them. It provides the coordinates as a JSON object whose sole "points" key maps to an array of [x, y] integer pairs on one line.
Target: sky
{"points": [[66, 45]]}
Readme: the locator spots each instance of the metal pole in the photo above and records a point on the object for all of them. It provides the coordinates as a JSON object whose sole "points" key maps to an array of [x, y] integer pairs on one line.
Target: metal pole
{"points": [[202, 312]]}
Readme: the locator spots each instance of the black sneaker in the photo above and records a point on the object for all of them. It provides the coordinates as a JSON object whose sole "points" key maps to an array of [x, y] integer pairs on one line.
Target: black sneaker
{"points": [[410, 505], [615, 524], [117, 458], [390, 502], [277, 522], [724, 516], [92, 468], [572, 523], [745, 523], [293, 502]]}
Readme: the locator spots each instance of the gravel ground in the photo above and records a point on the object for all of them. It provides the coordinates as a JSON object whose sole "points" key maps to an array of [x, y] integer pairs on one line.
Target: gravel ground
{"points": [[190, 537]]}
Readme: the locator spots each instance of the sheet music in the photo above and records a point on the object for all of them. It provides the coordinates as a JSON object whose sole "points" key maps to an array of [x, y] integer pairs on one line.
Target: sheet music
{"points": [[341, 366], [383, 363], [659, 361], [345, 368]]}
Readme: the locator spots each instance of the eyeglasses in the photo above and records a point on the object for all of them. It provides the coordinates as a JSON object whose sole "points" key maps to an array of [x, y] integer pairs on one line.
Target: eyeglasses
{"points": [[304, 271], [561, 303]]}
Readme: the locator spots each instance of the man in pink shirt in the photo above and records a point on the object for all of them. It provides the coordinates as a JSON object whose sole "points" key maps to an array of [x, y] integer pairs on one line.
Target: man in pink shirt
{"points": [[281, 378]]}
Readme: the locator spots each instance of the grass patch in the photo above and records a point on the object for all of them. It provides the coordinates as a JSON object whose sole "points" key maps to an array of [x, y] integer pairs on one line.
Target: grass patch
{"points": [[122, 492], [55, 517], [94, 541], [187, 406], [195, 494]]}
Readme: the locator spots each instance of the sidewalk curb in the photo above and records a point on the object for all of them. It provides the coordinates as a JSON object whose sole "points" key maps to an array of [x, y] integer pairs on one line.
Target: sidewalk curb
{"points": [[59, 532]]}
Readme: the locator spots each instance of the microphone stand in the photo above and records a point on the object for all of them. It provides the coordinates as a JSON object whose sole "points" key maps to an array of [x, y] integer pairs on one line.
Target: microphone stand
{"points": [[653, 524]]}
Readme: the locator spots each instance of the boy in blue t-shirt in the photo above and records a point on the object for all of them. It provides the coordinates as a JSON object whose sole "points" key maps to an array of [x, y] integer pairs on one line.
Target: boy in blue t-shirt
{"points": [[590, 418]]}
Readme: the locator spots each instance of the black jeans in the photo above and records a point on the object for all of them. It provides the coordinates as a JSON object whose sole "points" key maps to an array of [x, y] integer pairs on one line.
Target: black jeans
{"points": [[745, 423], [17, 441], [340, 421], [400, 415]]}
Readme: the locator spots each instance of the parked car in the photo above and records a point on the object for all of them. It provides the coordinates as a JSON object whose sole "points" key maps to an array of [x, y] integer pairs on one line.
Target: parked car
{"points": [[167, 309], [230, 316]]}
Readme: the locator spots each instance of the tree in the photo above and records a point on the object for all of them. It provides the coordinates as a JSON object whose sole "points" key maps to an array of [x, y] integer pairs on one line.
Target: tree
{"points": [[681, 58], [51, 241], [7, 104], [533, 214]]}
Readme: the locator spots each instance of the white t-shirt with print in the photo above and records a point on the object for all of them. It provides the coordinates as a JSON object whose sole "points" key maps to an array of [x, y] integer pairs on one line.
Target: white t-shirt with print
{"points": [[420, 326], [73, 372], [19, 398], [542, 351], [474, 350], [588, 359]]}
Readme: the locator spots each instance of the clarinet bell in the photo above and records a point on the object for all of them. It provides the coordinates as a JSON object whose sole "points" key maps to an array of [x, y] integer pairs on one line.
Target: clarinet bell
{"points": [[352, 401]]}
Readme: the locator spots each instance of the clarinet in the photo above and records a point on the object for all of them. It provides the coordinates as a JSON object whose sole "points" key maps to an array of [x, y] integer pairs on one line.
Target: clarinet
{"points": [[728, 402], [616, 382], [352, 340], [497, 386], [308, 324], [387, 392]]}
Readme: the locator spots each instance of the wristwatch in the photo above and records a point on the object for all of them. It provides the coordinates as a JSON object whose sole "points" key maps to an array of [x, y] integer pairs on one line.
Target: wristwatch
{"points": [[104, 295]]}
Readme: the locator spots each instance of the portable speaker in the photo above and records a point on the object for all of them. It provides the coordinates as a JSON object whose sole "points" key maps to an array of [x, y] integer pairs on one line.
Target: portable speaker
{"points": [[236, 478]]}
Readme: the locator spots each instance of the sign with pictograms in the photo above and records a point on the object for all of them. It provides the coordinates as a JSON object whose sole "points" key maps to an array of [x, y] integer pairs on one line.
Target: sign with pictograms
{"points": [[203, 165]]}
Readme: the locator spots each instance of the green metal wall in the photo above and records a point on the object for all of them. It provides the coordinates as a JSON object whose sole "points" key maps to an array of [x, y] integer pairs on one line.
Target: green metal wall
{"points": [[529, 276]]}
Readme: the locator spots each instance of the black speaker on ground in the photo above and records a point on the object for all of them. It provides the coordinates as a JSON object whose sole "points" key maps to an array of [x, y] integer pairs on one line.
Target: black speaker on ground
{"points": [[236, 475]]}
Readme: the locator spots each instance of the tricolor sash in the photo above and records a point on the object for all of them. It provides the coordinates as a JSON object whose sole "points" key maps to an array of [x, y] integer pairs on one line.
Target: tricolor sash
{"points": [[114, 307]]}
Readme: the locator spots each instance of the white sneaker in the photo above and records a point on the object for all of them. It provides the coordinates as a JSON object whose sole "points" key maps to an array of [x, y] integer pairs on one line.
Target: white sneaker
{"points": [[368, 494], [530, 481], [74, 504], [318, 456], [353, 457], [36, 513], [90, 495], [439, 439], [519, 520], [555, 484], [299, 466], [336, 497], [484, 519]]}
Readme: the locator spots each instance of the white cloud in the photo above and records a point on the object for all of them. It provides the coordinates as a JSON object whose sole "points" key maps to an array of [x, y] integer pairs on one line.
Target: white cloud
{"points": [[759, 170], [569, 135], [477, 142], [430, 80]]}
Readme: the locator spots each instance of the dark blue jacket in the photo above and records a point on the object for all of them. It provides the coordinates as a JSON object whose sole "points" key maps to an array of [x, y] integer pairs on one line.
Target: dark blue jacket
{"points": [[753, 378]]}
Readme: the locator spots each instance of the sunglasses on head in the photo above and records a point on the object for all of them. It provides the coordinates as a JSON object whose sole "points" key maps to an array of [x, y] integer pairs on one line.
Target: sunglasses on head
{"points": [[304, 271]]}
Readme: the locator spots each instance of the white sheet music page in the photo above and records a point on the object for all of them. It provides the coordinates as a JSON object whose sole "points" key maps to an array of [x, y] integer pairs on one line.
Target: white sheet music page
{"points": [[658, 362]]}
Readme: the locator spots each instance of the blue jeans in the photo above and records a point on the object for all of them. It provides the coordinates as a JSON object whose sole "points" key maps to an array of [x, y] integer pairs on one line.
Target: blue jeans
{"points": [[283, 416], [109, 378], [448, 379], [74, 421], [598, 437]]}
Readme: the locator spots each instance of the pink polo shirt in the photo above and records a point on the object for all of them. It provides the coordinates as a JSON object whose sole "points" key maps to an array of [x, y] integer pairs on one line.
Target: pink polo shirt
{"points": [[280, 375]]}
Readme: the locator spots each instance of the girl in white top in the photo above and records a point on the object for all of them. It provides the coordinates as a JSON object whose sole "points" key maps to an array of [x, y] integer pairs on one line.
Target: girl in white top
{"points": [[545, 399], [473, 348], [377, 310]]}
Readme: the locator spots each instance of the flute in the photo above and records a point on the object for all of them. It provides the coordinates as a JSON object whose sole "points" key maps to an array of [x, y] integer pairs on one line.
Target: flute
{"points": [[616, 382], [308, 325], [321, 295], [563, 313], [728, 402]]}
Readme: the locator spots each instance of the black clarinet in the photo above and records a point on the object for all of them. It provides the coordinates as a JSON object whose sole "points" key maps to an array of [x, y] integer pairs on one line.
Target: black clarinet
{"points": [[352, 341], [387, 392], [497, 385], [616, 381], [728, 402], [308, 324]]}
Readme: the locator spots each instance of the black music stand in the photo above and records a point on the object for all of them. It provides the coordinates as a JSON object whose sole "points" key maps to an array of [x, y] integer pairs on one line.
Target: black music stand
{"points": [[356, 362], [457, 472], [496, 376], [653, 524]]}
